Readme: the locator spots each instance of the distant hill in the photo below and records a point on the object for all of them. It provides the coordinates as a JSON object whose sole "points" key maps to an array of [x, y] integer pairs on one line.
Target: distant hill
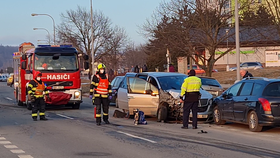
{"points": [[6, 56]]}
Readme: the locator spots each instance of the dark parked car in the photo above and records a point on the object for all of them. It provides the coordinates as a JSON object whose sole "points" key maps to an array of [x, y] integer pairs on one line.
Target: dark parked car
{"points": [[115, 86], [254, 101], [211, 85]]}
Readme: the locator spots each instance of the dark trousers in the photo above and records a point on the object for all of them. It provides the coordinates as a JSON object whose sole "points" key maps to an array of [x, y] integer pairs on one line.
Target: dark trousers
{"points": [[38, 105], [186, 113], [98, 101]]}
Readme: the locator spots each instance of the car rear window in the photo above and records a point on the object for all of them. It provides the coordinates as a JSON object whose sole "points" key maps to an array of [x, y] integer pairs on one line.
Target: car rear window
{"points": [[210, 82], [272, 90]]}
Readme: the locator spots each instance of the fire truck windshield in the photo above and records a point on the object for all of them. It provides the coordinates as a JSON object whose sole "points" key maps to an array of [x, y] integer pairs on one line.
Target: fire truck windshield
{"points": [[56, 61]]}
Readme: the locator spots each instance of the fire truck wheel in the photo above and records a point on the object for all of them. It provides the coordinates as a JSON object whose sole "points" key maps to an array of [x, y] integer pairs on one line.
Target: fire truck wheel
{"points": [[76, 106], [20, 103]]}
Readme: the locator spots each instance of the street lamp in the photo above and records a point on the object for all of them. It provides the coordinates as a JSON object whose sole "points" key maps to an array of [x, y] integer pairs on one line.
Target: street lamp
{"points": [[227, 68], [46, 30], [53, 24]]}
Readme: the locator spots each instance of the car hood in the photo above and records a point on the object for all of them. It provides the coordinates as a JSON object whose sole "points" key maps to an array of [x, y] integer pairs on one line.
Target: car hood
{"points": [[211, 88], [176, 94]]}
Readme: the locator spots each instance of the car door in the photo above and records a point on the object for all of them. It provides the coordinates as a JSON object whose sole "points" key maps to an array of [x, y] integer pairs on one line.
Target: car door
{"points": [[122, 100], [242, 101], [142, 95], [251, 66], [228, 102]]}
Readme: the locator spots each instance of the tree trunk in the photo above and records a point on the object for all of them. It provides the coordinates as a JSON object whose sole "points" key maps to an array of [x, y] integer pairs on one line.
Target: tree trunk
{"points": [[209, 68]]}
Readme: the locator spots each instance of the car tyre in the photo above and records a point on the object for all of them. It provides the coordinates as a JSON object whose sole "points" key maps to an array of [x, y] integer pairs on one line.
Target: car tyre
{"points": [[218, 116], [162, 114], [253, 122], [76, 106]]}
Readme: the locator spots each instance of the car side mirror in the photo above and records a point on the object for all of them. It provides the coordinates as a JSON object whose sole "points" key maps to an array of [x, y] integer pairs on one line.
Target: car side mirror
{"points": [[224, 95], [23, 65], [148, 91]]}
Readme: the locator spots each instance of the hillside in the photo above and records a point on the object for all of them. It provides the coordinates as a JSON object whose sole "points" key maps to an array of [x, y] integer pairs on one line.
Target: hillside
{"points": [[228, 77], [6, 56]]}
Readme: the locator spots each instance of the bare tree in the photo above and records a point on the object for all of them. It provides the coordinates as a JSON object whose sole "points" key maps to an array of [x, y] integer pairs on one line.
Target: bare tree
{"points": [[134, 55], [76, 29], [273, 7], [198, 29]]}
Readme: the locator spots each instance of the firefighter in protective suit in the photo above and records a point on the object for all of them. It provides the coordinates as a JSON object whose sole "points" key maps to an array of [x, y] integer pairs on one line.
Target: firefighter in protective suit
{"points": [[100, 93], [36, 91]]}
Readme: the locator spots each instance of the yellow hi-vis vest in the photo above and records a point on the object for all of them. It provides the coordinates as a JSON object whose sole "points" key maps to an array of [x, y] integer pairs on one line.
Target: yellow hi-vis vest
{"points": [[191, 84]]}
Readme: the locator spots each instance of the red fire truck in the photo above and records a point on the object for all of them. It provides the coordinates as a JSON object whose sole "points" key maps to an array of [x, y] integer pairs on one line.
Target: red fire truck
{"points": [[60, 68]]}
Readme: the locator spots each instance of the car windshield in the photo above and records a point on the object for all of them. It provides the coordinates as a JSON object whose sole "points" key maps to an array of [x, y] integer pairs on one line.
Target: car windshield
{"points": [[117, 81], [53, 61], [272, 90], [210, 82], [171, 82]]}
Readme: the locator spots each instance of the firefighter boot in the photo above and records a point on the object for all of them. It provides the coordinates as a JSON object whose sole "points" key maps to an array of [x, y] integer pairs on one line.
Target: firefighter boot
{"points": [[98, 121], [43, 118], [34, 118], [105, 118]]}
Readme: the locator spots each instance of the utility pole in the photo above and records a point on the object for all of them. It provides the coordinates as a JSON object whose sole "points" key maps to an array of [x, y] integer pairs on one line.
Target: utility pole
{"points": [[168, 59], [92, 41], [237, 40]]}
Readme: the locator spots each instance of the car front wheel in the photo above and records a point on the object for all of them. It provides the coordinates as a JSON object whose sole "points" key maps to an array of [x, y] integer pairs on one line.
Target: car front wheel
{"points": [[162, 114], [218, 116], [253, 122]]}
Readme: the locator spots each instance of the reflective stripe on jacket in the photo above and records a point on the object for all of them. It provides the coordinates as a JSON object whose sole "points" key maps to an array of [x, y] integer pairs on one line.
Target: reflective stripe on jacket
{"points": [[191, 84]]}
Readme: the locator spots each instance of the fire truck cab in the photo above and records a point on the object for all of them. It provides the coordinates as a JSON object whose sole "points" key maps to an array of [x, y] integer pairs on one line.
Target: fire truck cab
{"points": [[60, 68]]}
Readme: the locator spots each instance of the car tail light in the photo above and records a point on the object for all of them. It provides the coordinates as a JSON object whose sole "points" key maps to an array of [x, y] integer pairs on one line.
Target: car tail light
{"points": [[265, 104]]}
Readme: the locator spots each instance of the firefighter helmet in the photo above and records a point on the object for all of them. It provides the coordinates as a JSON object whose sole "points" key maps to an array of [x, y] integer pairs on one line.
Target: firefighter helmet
{"points": [[101, 66], [38, 74]]}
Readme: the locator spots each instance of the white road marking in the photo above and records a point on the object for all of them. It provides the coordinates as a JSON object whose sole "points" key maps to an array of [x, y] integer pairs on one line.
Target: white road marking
{"points": [[5, 142], [9, 98], [2, 138], [25, 156], [14, 149], [18, 151], [10, 146], [137, 137], [65, 116]]}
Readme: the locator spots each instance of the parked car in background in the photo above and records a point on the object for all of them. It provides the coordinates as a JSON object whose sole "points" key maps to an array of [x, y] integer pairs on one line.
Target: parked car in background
{"points": [[199, 70], [211, 85], [248, 66], [253, 101], [3, 78], [158, 94]]}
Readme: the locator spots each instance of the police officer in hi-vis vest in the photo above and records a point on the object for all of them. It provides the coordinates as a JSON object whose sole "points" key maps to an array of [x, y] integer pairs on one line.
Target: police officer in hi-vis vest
{"points": [[190, 88], [100, 93], [36, 91]]}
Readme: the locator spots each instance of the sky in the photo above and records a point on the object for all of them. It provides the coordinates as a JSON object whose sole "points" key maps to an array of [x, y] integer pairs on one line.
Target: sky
{"points": [[17, 23]]}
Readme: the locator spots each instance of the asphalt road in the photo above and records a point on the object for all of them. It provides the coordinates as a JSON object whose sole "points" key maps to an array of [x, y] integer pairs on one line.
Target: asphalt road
{"points": [[73, 134]]}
